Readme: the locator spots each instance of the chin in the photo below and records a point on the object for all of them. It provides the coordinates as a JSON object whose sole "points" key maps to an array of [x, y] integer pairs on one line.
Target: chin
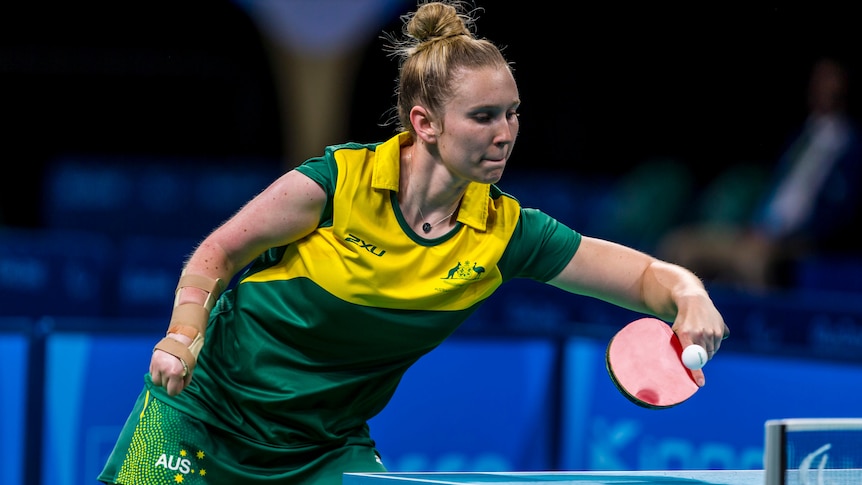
{"points": [[494, 177]]}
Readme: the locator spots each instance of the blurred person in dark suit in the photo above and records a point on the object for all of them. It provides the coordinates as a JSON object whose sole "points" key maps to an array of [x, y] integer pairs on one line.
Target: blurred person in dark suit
{"points": [[806, 206]]}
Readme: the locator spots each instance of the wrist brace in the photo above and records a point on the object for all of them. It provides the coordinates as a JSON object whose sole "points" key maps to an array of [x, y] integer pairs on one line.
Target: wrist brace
{"points": [[190, 319]]}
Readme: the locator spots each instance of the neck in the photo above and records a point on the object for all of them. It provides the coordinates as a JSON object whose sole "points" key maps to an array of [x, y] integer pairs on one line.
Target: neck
{"points": [[427, 226], [436, 215]]}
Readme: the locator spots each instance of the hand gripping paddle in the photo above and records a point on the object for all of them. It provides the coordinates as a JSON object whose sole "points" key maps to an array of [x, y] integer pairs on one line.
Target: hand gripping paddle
{"points": [[644, 362]]}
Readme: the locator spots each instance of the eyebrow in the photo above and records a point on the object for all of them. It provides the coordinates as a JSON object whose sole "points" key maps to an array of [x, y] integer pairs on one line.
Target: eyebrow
{"points": [[486, 107]]}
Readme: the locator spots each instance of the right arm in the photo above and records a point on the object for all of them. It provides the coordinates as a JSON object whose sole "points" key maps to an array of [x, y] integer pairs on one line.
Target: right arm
{"points": [[286, 211]]}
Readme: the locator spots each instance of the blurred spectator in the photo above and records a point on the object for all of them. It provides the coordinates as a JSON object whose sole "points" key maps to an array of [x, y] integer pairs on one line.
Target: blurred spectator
{"points": [[806, 206]]}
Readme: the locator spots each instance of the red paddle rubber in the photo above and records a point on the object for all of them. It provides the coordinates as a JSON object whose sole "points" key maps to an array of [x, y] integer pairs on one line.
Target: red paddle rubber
{"points": [[643, 360]]}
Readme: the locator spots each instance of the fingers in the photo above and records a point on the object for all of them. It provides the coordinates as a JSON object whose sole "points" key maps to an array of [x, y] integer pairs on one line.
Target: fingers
{"points": [[696, 374], [710, 341], [699, 377], [717, 341], [705, 329], [711, 346], [169, 372], [173, 384]]}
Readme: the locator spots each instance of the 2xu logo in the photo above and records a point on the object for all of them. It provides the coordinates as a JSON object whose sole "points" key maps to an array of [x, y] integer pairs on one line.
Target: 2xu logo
{"points": [[351, 238]]}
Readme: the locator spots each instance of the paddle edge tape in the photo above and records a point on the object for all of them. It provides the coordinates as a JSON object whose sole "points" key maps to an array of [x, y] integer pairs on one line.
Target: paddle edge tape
{"points": [[621, 388]]}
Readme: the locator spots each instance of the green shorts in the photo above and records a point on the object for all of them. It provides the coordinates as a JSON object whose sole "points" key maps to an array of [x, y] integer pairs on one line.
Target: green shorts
{"points": [[161, 445]]}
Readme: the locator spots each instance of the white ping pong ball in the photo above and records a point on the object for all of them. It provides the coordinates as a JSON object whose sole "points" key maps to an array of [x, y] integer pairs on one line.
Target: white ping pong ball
{"points": [[694, 357]]}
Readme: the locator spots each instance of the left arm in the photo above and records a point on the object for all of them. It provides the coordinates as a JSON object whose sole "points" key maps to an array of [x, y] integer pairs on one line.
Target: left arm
{"points": [[639, 282]]}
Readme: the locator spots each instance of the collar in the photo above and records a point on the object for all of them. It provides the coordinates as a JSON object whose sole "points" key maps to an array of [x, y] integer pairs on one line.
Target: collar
{"points": [[474, 205]]}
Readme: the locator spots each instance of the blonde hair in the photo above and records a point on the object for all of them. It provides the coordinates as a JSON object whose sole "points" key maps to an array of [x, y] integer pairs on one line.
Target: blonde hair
{"points": [[438, 41]]}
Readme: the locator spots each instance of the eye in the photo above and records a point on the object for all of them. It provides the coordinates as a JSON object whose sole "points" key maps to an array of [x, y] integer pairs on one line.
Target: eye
{"points": [[512, 115]]}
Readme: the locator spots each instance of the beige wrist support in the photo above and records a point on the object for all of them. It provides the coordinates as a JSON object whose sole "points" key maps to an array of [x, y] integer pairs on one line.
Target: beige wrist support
{"points": [[190, 319]]}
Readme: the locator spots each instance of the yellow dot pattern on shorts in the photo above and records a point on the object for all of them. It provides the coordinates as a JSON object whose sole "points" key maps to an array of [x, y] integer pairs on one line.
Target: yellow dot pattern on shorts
{"points": [[156, 448]]}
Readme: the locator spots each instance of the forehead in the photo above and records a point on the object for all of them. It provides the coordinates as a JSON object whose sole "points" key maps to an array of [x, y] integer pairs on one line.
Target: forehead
{"points": [[484, 86]]}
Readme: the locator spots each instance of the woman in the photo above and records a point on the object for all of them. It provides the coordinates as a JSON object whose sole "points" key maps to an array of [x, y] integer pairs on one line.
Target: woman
{"points": [[361, 261]]}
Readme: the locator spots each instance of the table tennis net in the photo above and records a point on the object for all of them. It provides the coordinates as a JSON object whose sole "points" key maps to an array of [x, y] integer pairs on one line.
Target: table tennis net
{"points": [[813, 451]]}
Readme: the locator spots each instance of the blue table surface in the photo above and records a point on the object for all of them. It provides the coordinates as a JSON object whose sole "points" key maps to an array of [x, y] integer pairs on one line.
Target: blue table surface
{"points": [[659, 477]]}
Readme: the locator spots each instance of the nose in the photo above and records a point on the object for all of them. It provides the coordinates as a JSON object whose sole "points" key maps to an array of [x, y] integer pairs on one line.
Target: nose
{"points": [[507, 131]]}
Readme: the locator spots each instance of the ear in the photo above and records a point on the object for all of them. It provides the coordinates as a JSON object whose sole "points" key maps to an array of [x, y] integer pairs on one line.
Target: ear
{"points": [[423, 123]]}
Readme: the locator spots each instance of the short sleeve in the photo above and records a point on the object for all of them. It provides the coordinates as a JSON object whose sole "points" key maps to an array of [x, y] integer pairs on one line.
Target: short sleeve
{"points": [[540, 247]]}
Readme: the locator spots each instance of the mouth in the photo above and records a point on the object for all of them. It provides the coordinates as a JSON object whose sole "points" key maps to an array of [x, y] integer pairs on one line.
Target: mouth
{"points": [[496, 160]]}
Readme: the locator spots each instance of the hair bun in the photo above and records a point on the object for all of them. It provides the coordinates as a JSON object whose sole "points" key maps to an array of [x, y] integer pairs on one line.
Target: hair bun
{"points": [[436, 21]]}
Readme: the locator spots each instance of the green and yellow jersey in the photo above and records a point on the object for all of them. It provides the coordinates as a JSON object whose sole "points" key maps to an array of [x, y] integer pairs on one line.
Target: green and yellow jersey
{"points": [[314, 338]]}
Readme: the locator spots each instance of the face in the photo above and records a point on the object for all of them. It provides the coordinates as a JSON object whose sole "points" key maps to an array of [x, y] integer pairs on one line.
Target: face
{"points": [[480, 124]]}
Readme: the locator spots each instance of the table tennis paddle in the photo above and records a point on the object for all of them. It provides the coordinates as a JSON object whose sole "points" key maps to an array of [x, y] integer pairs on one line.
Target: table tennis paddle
{"points": [[644, 362]]}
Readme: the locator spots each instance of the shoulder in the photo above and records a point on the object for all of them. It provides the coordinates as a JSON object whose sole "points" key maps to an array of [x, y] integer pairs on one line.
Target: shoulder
{"points": [[324, 169]]}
